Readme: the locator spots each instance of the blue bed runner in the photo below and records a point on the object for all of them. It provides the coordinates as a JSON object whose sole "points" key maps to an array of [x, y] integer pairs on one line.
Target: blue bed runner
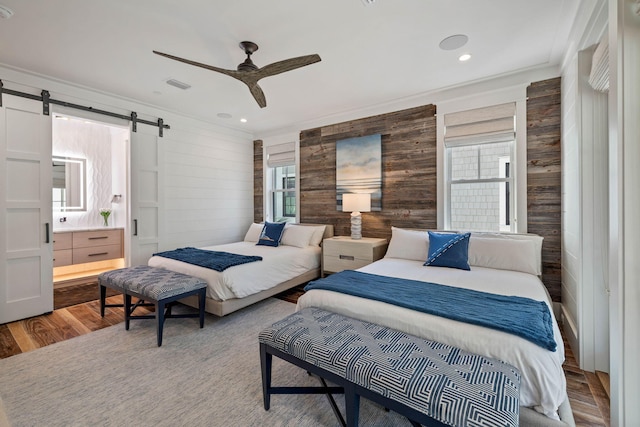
{"points": [[524, 317], [214, 260]]}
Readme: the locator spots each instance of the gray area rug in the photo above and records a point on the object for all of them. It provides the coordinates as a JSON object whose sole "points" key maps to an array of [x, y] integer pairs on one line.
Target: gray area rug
{"points": [[199, 377]]}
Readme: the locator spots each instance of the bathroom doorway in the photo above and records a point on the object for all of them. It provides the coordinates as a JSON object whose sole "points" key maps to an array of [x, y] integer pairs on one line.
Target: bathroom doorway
{"points": [[90, 204]]}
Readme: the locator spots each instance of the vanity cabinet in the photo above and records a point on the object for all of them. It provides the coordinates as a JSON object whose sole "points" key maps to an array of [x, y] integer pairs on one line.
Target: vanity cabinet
{"points": [[79, 247]]}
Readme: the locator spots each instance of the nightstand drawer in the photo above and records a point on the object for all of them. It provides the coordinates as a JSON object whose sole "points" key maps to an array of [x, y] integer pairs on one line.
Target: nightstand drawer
{"points": [[335, 264], [337, 248]]}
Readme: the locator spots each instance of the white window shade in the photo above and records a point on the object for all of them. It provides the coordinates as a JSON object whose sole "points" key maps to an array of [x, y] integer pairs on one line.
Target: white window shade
{"points": [[482, 125], [281, 155], [599, 76]]}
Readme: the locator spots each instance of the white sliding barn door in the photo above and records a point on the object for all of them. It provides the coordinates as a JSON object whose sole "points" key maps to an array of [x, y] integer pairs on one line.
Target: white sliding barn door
{"points": [[146, 213], [26, 251]]}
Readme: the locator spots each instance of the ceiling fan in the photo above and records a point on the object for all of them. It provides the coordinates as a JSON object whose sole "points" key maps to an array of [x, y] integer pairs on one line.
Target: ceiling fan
{"points": [[248, 73]]}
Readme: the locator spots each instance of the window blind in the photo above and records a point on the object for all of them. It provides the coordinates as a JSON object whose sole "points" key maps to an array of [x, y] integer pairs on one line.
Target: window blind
{"points": [[481, 125], [281, 155]]}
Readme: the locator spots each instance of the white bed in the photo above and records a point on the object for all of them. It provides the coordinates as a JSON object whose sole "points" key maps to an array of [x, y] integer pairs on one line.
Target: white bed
{"points": [[281, 268], [543, 382]]}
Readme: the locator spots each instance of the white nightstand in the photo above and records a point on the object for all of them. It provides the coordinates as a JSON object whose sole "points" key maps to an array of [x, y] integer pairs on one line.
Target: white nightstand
{"points": [[344, 253]]}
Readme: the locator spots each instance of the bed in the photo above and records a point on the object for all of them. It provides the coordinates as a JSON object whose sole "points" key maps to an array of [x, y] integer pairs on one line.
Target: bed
{"points": [[295, 261], [499, 264]]}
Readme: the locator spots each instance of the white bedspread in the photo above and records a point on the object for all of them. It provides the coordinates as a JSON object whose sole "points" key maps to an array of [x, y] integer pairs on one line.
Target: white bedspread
{"points": [[278, 265], [543, 382]]}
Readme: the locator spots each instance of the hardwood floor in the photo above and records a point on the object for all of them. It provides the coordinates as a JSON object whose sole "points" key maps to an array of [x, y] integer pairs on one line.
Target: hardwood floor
{"points": [[588, 396]]}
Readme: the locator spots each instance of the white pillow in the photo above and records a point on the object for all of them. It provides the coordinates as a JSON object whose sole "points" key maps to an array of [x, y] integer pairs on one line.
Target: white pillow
{"points": [[297, 235], [318, 234], [253, 233], [504, 254], [408, 244]]}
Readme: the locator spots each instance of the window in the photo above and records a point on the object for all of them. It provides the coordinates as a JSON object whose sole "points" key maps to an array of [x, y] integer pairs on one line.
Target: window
{"points": [[284, 193], [479, 153], [281, 182]]}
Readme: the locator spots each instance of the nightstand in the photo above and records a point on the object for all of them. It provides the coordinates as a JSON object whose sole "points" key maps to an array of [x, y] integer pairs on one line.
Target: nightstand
{"points": [[344, 253]]}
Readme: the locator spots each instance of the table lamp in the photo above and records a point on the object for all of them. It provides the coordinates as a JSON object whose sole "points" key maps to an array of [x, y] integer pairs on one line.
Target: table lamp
{"points": [[356, 203]]}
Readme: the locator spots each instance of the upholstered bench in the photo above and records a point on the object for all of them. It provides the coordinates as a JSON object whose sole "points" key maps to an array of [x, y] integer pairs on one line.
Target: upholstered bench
{"points": [[428, 382], [155, 285]]}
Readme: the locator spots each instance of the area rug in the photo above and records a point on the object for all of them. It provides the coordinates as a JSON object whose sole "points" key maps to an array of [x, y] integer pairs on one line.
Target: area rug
{"points": [[199, 377]]}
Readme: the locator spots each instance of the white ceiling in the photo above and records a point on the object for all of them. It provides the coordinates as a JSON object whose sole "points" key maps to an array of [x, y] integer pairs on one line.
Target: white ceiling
{"points": [[371, 55]]}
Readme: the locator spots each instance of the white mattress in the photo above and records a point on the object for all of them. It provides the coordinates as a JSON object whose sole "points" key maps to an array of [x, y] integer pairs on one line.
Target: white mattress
{"points": [[278, 265], [543, 382]]}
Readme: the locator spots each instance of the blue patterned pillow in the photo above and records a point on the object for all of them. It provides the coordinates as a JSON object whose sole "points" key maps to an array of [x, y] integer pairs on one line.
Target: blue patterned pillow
{"points": [[449, 250], [271, 234]]}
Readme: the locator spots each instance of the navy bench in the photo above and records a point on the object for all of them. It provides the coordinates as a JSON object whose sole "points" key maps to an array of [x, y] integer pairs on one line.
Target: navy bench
{"points": [[428, 382], [160, 287]]}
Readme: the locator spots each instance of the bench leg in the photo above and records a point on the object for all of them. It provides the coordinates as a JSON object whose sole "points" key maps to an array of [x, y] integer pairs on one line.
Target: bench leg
{"points": [[127, 310], [160, 320], [103, 297], [352, 404], [201, 303], [266, 361]]}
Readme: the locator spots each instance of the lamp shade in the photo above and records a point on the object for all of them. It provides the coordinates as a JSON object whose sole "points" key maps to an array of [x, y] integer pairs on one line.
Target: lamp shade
{"points": [[356, 202]]}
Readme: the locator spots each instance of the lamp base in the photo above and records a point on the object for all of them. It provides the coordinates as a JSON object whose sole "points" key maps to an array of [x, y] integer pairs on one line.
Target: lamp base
{"points": [[356, 225]]}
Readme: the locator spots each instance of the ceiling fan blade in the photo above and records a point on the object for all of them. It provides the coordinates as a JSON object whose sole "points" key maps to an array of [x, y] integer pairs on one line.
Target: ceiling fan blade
{"points": [[232, 73], [258, 94], [287, 65]]}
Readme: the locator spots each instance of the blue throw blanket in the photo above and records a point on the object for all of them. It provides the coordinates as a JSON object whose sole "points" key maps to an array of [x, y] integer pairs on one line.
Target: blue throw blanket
{"points": [[524, 317], [214, 260]]}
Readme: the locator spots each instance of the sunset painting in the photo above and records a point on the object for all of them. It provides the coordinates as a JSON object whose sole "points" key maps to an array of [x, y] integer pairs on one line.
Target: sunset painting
{"points": [[359, 168]]}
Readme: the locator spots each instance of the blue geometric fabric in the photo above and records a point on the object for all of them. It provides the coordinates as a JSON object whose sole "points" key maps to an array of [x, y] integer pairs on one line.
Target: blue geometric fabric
{"points": [[155, 283], [450, 385]]}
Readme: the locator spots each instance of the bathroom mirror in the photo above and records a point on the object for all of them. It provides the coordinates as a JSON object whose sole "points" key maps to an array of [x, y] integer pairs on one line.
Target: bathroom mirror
{"points": [[69, 184]]}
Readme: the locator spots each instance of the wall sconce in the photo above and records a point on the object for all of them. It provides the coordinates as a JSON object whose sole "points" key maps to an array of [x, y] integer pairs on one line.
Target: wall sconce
{"points": [[117, 198], [356, 203]]}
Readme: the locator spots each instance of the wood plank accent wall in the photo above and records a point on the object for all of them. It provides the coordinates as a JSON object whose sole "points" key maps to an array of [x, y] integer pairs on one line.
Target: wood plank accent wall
{"points": [[258, 180], [543, 177], [408, 178]]}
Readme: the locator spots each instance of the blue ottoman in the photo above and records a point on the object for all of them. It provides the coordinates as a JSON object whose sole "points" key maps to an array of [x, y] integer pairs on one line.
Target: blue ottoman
{"points": [[155, 285]]}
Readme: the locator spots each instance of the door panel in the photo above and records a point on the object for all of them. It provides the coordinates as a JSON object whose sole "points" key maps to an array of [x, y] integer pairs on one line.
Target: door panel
{"points": [[26, 254], [146, 200]]}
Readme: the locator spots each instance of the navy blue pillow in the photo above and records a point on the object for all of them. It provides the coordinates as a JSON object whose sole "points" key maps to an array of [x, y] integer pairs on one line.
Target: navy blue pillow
{"points": [[449, 250], [271, 234]]}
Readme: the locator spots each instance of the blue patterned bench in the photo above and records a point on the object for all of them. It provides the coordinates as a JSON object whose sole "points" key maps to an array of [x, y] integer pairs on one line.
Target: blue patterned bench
{"points": [[156, 285], [430, 383]]}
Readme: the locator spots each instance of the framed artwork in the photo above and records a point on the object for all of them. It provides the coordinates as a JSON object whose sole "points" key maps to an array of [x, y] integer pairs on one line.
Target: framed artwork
{"points": [[359, 168]]}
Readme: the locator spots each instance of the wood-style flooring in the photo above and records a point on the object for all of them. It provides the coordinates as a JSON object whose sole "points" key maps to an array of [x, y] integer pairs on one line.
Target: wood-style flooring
{"points": [[588, 397]]}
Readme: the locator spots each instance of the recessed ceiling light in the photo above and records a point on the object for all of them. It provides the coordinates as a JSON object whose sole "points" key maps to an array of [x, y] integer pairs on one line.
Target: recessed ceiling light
{"points": [[5, 12], [464, 57], [243, 120], [454, 42], [224, 115]]}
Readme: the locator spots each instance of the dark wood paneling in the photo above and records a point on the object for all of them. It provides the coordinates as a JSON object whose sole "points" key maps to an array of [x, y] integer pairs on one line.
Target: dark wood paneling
{"points": [[543, 177], [258, 187], [408, 172]]}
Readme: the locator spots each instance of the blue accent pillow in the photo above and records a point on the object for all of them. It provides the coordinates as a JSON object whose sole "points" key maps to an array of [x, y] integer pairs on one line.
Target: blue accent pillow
{"points": [[449, 250], [271, 234]]}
